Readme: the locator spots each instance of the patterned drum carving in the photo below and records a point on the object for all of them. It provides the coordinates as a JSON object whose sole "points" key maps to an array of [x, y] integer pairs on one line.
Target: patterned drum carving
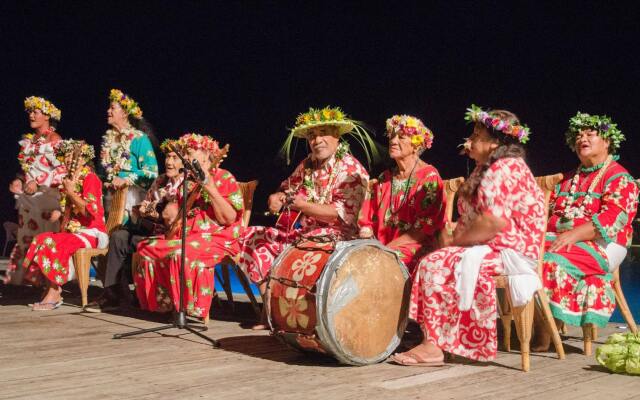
{"points": [[345, 299]]}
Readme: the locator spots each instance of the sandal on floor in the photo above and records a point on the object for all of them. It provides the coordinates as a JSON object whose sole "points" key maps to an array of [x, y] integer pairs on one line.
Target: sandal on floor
{"points": [[48, 306], [39, 302], [409, 359]]}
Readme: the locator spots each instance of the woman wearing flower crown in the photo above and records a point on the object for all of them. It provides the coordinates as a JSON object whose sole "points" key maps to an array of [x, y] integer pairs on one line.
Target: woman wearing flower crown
{"points": [[43, 173], [213, 231], [49, 258], [127, 154], [327, 188], [406, 206], [589, 228], [499, 232]]}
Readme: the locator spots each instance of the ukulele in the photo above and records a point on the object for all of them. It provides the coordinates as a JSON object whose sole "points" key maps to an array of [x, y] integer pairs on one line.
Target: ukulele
{"points": [[77, 151]]}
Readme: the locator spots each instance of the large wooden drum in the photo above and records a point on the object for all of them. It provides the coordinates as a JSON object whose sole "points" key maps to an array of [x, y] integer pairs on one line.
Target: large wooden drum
{"points": [[346, 299]]}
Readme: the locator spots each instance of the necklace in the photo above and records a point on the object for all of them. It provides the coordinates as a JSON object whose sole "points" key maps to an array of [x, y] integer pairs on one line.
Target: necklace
{"points": [[406, 191], [572, 210]]}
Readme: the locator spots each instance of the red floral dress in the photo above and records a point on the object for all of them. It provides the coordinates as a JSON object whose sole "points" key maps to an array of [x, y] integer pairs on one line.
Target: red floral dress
{"points": [[578, 281], [39, 163], [49, 255], [341, 183], [157, 279], [508, 190], [392, 210]]}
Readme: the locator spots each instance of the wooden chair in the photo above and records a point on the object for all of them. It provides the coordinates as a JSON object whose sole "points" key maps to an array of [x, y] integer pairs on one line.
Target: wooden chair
{"points": [[590, 331], [451, 187], [523, 315], [231, 263], [82, 257]]}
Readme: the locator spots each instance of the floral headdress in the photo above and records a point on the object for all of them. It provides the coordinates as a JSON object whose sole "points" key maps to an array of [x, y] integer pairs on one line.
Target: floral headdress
{"points": [[329, 116], [601, 123], [67, 146], [44, 105], [477, 114], [206, 143], [168, 145], [407, 125], [129, 105]]}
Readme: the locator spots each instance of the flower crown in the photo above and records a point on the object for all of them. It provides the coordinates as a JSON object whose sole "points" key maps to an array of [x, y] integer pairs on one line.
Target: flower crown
{"points": [[477, 114], [127, 103], [67, 146], [44, 105], [408, 125], [167, 144], [601, 123], [329, 116]]}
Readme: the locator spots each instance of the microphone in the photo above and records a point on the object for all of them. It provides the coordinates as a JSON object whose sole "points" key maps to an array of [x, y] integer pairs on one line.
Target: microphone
{"points": [[197, 169]]}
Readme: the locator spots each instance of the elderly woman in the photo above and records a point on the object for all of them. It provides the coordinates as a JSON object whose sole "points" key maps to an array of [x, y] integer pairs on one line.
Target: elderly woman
{"points": [[499, 232], [127, 154], [405, 208], [589, 229], [49, 258], [43, 174], [213, 228]]}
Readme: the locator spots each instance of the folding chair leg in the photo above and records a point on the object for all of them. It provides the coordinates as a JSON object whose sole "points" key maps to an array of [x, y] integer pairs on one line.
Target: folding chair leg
{"points": [[82, 273], [524, 324], [226, 285], [543, 303], [247, 288], [587, 332]]}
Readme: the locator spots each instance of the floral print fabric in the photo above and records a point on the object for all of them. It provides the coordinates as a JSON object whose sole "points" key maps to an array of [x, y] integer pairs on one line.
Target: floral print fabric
{"points": [[508, 190], [208, 242], [392, 210], [578, 280]]}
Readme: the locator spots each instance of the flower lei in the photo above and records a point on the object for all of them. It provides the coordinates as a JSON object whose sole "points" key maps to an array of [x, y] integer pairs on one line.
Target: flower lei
{"points": [[198, 142], [477, 114], [127, 103], [44, 105], [572, 210], [167, 144], [309, 184], [601, 123], [116, 147], [408, 125]]}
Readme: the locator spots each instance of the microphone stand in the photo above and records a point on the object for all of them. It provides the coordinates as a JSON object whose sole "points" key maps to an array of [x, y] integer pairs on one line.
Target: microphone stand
{"points": [[180, 318]]}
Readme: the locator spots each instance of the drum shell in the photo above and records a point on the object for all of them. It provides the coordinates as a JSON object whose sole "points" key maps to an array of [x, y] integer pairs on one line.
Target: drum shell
{"points": [[322, 299]]}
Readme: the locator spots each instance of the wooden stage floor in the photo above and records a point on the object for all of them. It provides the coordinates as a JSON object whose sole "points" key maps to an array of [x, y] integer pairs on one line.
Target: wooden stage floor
{"points": [[67, 354]]}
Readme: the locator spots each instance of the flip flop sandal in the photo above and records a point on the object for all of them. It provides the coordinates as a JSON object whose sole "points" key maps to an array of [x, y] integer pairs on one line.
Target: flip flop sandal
{"points": [[49, 303], [416, 360], [39, 302]]}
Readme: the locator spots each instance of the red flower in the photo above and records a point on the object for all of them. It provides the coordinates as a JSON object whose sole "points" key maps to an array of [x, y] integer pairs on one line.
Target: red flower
{"points": [[27, 239], [33, 225]]}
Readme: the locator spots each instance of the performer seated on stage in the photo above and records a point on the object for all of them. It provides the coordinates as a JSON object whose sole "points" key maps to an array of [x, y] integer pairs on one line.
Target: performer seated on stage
{"points": [[405, 208], [499, 232], [127, 154], [43, 174], [327, 188], [146, 221], [214, 221], [49, 258], [590, 228]]}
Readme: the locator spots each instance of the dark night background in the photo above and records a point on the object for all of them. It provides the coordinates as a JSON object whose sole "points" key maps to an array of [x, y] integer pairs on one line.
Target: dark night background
{"points": [[242, 71]]}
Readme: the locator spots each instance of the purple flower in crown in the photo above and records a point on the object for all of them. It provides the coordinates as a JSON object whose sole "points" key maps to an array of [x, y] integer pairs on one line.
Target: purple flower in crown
{"points": [[604, 127]]}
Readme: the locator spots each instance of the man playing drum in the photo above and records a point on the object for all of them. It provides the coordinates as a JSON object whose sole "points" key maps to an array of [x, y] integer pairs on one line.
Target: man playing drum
{"points": [[327, 189]]}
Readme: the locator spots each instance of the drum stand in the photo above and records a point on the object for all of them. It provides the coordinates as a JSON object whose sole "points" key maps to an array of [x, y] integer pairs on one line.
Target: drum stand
{"points": [[180, 318]]}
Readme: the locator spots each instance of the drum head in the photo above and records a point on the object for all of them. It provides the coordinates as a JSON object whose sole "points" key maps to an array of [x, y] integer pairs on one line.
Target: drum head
{"points": [[363, 302]]}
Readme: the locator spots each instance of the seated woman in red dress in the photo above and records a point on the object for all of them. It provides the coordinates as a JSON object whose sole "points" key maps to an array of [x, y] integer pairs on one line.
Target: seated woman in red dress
{"points": [[590, 227], [499, 232], [406, 207], [213, 228], [49, 258]]}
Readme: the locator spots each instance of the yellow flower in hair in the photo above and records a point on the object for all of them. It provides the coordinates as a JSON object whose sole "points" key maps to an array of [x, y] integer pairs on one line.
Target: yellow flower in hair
{"points": [[417, 140], [412, 123], [326, 113]]}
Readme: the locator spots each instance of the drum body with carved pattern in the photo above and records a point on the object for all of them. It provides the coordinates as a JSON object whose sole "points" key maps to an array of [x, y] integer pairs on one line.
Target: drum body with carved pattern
{"points": [[346, 299]]}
